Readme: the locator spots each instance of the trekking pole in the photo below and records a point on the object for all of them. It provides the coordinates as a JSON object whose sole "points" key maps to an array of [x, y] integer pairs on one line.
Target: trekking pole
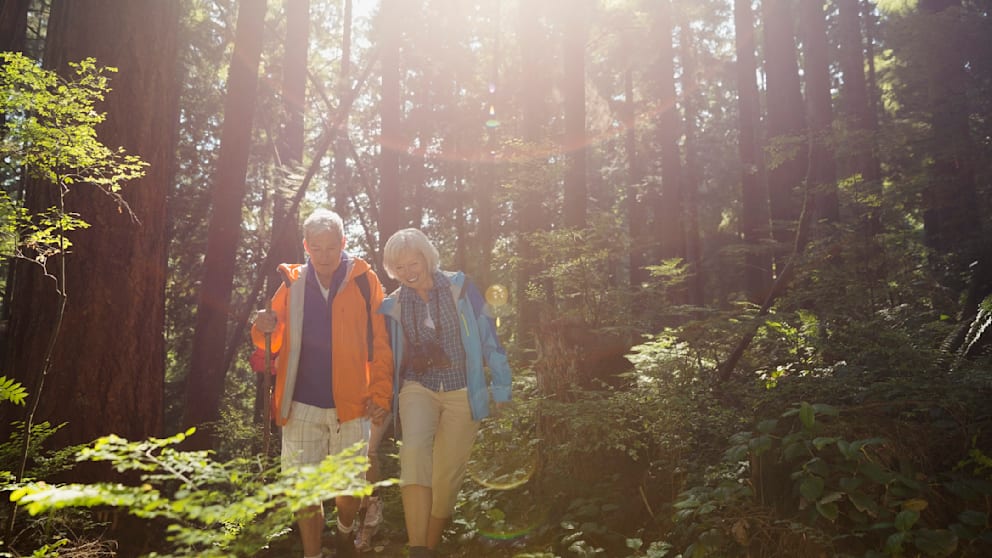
{"points": [[287, 280], [267, 388]]}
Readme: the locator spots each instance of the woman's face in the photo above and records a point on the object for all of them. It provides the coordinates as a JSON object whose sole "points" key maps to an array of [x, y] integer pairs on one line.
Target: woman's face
{"points": [[411, 270]]}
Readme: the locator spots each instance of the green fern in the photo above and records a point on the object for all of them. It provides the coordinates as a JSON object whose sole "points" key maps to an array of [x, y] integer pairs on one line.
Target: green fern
{"points": [[979, 325], [12, 391]]}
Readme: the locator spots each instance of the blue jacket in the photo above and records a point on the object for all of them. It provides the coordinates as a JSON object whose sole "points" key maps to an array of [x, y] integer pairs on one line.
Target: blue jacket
{"points": [[478, 333]]}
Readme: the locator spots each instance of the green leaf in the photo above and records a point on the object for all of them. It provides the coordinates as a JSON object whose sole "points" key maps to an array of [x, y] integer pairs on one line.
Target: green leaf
{"points": [[824, 409], [761, 444], [935, 542], [850, 484], [823, 441], [906, 519], [893, 545], [767, 426], [973, 518], [818, 467], [12, 391], [828, 510], [811, 488], [807, 415], [862, 502]]}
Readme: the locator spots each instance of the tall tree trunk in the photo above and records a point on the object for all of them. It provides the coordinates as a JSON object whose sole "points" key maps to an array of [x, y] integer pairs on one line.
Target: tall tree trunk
{"points": [[287, 243], [668, 210], [822, 172], [950, 218], [754, 224], [340, 180], [635, 177], [530, 216], [787, 149], [574, 92], [390, 194], [13, 24], [205, 381], [108, 367], [856, 108], [693, 178]]}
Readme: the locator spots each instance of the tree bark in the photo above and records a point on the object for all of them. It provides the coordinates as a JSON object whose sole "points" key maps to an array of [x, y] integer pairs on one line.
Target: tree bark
{"points": [[108, 366], [340, 183], [576, 30], [787, 149], [287, 242], [819, 105], [754, 224], [13, 25], [950, 218], [669, 206], [856, 108], [390, 194], [693, 178], [530, 215], [205, 381]]}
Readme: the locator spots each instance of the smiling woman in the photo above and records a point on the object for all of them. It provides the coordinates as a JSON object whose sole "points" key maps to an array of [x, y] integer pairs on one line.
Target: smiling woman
{"points": [[442, 340]]}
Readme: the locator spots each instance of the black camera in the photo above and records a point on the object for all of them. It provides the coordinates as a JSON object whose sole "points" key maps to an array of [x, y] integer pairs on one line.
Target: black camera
{"points": [[426, 356]]}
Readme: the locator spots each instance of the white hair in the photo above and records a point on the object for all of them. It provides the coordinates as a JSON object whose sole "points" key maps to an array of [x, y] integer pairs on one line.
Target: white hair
{"points": [[323, 220], [413, 240]]}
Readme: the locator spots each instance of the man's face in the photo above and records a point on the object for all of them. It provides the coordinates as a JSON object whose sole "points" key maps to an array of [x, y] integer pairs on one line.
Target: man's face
{"points": [[324, 249]]}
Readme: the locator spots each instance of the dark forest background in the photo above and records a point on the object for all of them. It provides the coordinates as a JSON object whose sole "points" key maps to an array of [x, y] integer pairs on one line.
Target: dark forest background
{"points": [[746, 246]]}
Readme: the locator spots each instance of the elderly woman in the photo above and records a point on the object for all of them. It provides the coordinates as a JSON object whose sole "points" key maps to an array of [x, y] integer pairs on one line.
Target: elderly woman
{"points": [[441, 337]]}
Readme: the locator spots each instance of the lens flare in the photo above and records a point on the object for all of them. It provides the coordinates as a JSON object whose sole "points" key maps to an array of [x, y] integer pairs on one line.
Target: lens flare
{"points": [[497, 295]]}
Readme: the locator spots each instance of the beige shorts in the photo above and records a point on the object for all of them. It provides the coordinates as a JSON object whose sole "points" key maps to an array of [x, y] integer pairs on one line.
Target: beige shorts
{"points": [[313, 433], [438, 434]]}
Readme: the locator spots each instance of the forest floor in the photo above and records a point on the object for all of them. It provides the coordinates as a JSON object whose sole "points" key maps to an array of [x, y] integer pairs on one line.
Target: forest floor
{"points": [[390, 539]]}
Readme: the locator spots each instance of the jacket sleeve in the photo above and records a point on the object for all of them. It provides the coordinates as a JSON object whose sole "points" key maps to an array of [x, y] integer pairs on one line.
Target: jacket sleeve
{"points": [[381, 367], [280, 305], [493, 353]]}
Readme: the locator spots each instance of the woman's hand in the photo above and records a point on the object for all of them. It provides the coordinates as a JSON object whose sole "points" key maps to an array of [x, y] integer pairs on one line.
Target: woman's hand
{"points": [[377, 413]]}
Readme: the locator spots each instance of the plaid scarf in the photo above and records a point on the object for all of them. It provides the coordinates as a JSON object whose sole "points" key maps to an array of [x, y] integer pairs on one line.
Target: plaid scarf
{"points": [[417, 316]]}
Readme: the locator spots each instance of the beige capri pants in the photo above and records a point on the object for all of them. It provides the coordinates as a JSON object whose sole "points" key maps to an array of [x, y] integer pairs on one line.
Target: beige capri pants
{"points": [[438, 434]]}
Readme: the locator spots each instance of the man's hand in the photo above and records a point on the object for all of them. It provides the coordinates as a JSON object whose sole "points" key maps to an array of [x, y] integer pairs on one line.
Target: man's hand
{"points": [[265, 321], [377, 413]]}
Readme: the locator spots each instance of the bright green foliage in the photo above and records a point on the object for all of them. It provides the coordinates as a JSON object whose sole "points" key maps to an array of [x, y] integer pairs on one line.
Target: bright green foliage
{"points": [[51, 124], [850, 496], [50, 134], [42, 463], [213, 509], [12, 391]]}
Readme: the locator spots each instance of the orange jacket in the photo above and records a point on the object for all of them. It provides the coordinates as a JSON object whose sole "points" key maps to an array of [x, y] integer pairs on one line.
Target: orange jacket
{"points": [[356, 381]]}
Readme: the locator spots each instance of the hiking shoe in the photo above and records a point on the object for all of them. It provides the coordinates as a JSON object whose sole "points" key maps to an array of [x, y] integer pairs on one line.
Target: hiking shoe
{"points": [[345, 546], [421, 552], [370, 524]]}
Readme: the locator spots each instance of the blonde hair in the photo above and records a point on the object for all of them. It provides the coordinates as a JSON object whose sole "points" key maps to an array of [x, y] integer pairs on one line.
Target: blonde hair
{"points": [[409, 239]]}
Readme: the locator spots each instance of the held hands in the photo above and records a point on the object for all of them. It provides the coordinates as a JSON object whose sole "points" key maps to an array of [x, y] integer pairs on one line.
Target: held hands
{"points": [[265, 321], [376, 413]]}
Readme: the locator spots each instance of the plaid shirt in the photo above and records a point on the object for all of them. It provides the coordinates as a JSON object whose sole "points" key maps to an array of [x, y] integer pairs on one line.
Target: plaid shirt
{"points": [[446, 332]]}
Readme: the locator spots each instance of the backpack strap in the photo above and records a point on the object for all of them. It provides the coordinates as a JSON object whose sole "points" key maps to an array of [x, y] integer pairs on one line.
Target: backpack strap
{"points": [[363, 285]]}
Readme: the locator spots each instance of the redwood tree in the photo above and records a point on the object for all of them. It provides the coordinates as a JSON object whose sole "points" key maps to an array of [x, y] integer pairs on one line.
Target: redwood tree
{"points": [[575, 15], [108, 365], [668, 207], [786, 123], [754, 224], [391, 204], [205, 380], [822, 172]]}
